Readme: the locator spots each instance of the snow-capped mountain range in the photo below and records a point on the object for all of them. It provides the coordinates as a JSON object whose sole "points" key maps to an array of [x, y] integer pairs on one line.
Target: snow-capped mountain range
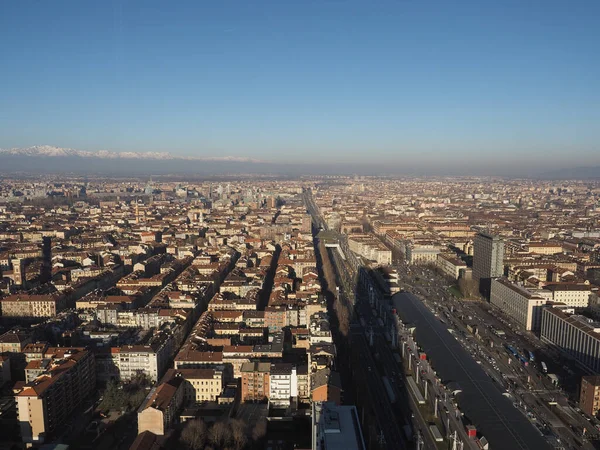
{"points": [[50, 151]]}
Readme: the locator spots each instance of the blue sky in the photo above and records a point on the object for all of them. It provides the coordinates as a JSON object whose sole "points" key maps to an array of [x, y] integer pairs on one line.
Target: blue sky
{"points": [[406, 81]]}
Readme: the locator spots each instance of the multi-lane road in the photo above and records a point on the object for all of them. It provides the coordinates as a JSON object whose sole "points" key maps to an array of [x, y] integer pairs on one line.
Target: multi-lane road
{"points": [[480, 397], [530, 389]]}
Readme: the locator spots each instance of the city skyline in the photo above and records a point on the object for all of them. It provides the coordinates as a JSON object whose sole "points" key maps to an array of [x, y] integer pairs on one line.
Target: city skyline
{"points": [[401, 84]]}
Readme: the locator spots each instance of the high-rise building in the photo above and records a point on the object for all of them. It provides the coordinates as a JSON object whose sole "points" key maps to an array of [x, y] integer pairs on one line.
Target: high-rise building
{"points": [[488, 260], [488, 256], [46, 402]]}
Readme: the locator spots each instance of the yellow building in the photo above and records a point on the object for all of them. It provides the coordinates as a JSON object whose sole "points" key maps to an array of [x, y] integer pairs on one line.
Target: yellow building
{"points": [[201, 385], [13, 341], [544, 248], [23, 305]]}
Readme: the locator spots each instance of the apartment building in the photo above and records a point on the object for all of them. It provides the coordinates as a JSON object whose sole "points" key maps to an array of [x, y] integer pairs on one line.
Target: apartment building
{"points": [[283, 384], [160, 410], [574, 295], [93, 301], [13, 341], [46, 402], [195, 359], [519, 303], [32, 306], [255, 381], [326, 386], [589, 395], [371, 248], [575, 335], [151, 359], [275, 318], [200, 385], [319, 328], [450, 265], [544, 248], [303, 382], [421, 253]]}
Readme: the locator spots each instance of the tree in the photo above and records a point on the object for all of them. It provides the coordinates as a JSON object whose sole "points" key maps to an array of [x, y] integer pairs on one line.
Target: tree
{"points": [[140, 379], [113, 396], [260, 430], [219, 435], [238, 433], [195, 434], [468, 287], [343, 316]]}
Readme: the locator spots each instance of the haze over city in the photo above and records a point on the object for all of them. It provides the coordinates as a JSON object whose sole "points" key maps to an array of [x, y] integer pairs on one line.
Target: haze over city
{"points": [[503, 88]]}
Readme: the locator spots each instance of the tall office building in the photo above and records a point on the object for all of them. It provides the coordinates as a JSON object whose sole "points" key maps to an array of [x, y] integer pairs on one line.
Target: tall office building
{"points": [[488, 260]]}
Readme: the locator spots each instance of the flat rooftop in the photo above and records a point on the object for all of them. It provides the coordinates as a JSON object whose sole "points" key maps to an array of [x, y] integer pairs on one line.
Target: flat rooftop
{"points": [[481, 399], [338, 427]]}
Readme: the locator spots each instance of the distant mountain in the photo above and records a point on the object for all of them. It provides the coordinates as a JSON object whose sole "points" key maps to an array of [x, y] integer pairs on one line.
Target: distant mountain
{"points": [[50, 159], [49, 151]]}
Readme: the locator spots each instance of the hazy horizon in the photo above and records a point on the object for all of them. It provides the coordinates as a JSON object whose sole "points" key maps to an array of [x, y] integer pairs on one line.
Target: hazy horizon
{"points": [[92, 165]]}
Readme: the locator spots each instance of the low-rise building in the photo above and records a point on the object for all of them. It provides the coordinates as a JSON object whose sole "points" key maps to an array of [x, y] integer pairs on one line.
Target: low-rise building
{"points": [[13, 341], [336, 427], [160, 410], [200, 385], [326, 386], [421, 253], [450, 265]]}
